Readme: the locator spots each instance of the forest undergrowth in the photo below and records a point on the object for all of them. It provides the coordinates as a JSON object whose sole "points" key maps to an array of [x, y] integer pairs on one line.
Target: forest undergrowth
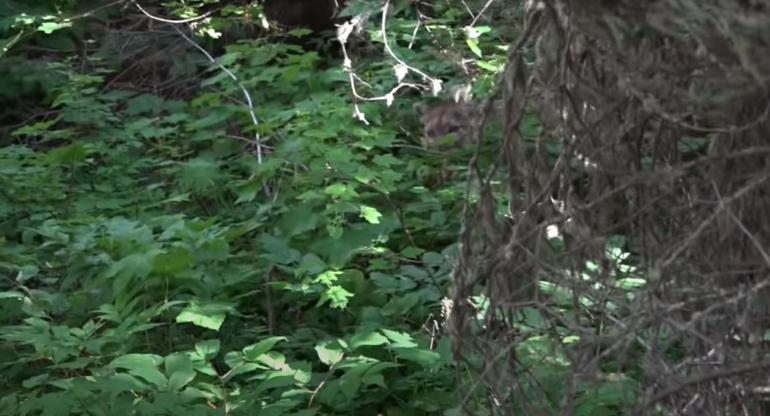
{"points": [[205, 212]]}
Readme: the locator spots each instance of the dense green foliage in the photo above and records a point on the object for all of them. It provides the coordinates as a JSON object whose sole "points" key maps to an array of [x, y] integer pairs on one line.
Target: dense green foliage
{"points": [[148, 256], [152, 264]]}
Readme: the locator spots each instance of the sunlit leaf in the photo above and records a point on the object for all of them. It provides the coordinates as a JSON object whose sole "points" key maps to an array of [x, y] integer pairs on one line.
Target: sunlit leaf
{"points": [[337, 297], [630, 283], [370, 214], [209, 315], [329, 355], [254, 351], [50, 27], [473, 44]]}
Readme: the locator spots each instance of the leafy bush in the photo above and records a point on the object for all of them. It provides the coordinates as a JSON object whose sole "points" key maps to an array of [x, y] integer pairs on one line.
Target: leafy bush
{"points": [[158, 259], [149, 256]]}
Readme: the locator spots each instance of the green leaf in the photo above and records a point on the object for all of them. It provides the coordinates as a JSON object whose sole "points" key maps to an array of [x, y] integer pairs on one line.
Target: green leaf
{"points": [[275, 382], [129, 361], [370, 338], [693, 144], [135, 265], [247, 191], [473, 44], [144, 366], [490, 66], [210, 315], [312, 264], [214, 249], [402, 304], [179, 369], [207, 349], [371, 215], [299, 220], [334, 226], [337, 189], [399, 339], [341, 191], [350, 382], [328, 278], [412, 252], [57, 404], [386, 160], [337, 296], [12, 295], [434, 259], [425, 358], [119, 383], [69, 155], [253, 352], [50, 27], [235, 361], [274, 360], [329, 355], [144, 103], [630, 283], [35, 381], [362, 373], [200, 174], [175, 260], [277, 250], [210, 120], [373, 375], [27, 272]]}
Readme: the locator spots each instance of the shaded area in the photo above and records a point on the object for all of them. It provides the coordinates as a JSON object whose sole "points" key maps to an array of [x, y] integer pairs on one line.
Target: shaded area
{"points": [[653, 164]]}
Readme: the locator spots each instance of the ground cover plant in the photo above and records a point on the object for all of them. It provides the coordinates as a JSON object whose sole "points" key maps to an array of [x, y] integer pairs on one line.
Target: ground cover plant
{"points": [[164, 252], [231, 208]]}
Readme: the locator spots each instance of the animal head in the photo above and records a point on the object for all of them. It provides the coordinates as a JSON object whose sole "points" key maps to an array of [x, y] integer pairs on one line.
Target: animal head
{"points": [[454, 118]]}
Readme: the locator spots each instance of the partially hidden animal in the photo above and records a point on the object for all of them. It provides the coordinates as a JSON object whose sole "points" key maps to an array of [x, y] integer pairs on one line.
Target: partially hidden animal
{"points": [[449, 125], [316, 15]]}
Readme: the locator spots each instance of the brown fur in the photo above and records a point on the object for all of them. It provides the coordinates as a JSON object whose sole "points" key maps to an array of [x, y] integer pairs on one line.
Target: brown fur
{"points": [[444, 119]]}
